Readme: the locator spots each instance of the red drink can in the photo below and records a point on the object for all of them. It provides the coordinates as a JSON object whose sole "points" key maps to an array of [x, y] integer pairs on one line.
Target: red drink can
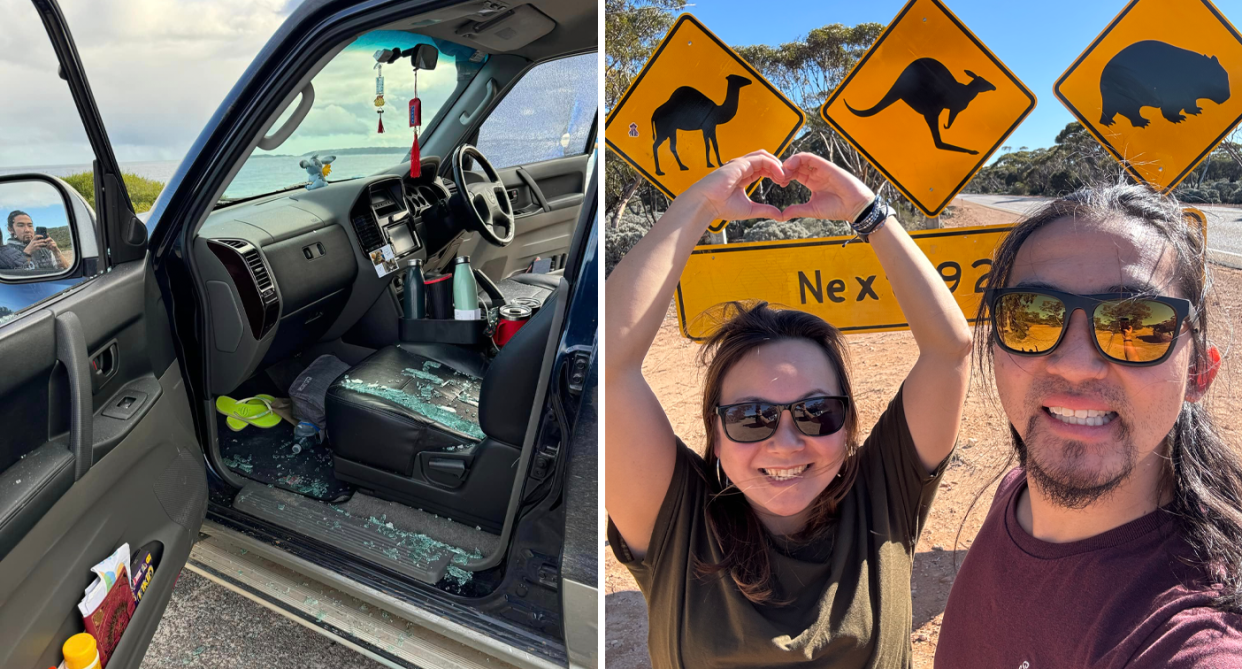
{"points": [[512, 318]]}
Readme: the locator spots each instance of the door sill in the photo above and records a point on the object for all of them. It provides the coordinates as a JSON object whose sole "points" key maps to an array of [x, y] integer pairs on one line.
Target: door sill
{"points": [[227, 546]]}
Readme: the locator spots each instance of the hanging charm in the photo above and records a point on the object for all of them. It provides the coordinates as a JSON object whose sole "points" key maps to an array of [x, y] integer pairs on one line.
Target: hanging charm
{"points": [[416, 120], [379, 96]]}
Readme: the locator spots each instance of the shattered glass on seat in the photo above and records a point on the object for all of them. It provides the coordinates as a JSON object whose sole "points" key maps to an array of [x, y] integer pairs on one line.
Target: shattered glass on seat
{"points": [[434, 391]]}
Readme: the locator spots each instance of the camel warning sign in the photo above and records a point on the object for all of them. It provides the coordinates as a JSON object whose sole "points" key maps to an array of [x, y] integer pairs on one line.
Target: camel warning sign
{"points": [[928, 104], [1157, 87], [695, 105], [838, 279]]}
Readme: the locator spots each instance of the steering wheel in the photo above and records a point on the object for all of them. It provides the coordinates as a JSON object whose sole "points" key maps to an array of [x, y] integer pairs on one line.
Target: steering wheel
{"points": [[485, 205]]}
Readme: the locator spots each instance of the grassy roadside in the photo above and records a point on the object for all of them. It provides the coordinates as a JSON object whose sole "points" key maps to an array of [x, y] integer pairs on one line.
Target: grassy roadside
{"points": [[142, 191]]}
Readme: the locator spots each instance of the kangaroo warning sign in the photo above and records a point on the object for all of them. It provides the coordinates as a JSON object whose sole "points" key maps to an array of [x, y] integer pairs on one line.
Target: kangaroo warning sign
{"points": [[696, 104], [928, 104], [838, 279], [1158, 88]]}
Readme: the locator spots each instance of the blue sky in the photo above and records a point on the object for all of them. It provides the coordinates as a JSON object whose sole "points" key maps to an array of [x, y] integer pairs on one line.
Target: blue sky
{"points": [[1036, 40]]}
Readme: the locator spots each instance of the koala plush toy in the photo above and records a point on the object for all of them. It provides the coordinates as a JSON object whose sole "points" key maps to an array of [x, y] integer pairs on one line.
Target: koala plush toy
{"points": [[317, 168]]}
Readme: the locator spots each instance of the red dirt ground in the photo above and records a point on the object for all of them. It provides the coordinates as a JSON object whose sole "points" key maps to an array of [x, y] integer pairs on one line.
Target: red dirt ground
{"points": [[880, 363]]}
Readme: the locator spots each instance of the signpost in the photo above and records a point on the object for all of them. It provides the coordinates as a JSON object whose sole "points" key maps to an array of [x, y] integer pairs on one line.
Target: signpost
{"points": [[693, 106], [838, 279], [928, 104], [1159, 87]]}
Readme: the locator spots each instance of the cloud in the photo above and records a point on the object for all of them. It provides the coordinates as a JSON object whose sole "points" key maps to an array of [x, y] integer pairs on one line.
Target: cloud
{"points": [[158, 70], [28, 195]]}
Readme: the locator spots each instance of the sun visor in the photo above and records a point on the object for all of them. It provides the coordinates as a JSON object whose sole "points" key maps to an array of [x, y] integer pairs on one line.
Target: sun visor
{"points": [[511, 30]]}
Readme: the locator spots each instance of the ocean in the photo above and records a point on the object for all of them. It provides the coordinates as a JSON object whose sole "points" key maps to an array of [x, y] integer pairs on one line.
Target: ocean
{"points": [[261, 174]]}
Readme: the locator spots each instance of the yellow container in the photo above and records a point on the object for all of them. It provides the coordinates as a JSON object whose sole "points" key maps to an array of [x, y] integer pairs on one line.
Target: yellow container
{"points": [[81, 652]]}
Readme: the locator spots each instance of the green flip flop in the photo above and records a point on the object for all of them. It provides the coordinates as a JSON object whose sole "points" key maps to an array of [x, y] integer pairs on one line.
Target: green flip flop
{"points": [[256, 411]]}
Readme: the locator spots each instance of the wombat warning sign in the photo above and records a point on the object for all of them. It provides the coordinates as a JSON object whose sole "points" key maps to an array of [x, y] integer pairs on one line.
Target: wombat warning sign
{"points": [[1157, 87], [928, 104]]}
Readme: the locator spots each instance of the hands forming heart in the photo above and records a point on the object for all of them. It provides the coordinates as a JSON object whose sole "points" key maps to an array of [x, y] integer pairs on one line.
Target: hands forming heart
{"points": [[835, 193]]}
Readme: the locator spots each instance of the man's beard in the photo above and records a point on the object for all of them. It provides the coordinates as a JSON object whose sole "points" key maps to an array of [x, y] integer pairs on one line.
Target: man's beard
{"points": [[1066, 483]]}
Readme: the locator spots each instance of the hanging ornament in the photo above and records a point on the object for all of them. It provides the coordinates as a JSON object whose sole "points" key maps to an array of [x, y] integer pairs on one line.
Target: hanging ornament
{"points": [[416, 120], [379, 96]]}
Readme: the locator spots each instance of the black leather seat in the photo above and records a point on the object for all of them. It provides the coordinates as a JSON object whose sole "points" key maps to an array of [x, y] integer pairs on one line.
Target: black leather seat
{"points": [[437, 427]]}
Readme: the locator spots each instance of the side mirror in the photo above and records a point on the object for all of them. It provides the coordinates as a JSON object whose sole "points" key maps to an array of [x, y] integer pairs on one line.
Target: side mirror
{"points": [[40, 237]]}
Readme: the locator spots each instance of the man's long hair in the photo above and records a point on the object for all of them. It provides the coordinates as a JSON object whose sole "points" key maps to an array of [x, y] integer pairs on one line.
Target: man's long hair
{"points": [[1205, 472]]}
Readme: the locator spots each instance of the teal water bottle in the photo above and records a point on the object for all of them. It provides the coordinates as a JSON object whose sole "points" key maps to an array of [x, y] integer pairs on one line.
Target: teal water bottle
{"points": [[465, 291]]}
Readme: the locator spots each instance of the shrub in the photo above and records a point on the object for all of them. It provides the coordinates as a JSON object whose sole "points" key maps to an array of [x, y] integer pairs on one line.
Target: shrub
{"points": [[618, 241], [768, 230], [1198, 195], [142, 191]]}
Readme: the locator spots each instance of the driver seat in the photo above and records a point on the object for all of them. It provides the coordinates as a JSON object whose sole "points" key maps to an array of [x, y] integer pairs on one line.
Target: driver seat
{"points": [[429, 426]]}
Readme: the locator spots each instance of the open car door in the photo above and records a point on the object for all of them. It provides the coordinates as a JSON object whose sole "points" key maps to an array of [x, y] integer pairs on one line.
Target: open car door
{"points": [[98, 447]]}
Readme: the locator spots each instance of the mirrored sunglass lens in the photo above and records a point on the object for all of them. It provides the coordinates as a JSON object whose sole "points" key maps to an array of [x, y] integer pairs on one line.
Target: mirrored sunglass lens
{"points": [[749, 422], [1134, 330], [1029, 322], [820, 417]]}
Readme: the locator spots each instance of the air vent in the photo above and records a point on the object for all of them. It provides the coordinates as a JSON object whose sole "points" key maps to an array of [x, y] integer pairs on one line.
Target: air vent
{"points": [[367, 231], [252, 280], [261, 277]]}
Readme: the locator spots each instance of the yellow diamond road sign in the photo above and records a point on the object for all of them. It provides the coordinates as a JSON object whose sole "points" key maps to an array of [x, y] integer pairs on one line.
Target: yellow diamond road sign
{"points": [[694, 105], [1158, 88], [928, 104]]}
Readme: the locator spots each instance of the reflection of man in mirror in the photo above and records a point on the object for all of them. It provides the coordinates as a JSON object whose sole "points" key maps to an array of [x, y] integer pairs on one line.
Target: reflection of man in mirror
{"points": [[26, 250]]}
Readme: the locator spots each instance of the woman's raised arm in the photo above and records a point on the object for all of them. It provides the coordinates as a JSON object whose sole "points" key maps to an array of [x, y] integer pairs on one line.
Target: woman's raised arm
{"points": [[935, 390], [641, 446]]}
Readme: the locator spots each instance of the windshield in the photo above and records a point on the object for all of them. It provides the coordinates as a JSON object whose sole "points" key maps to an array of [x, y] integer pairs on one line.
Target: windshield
{"points": [[344, 120]]}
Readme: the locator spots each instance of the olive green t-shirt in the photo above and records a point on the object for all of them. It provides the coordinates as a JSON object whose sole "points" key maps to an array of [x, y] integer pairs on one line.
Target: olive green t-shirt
{"points": [[851, 592]]}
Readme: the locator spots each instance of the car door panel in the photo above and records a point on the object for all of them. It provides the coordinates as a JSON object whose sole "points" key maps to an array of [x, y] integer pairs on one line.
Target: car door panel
{"points": [[546, 199], [137, 478]]}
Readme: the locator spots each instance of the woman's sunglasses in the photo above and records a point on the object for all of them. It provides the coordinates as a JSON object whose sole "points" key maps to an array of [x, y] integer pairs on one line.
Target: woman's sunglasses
{"points": [[1128, 329], [749, 422]]}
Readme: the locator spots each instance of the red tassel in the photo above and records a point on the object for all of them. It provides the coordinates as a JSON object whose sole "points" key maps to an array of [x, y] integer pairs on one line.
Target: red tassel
{"points": [[381, 125], [416, 164]]}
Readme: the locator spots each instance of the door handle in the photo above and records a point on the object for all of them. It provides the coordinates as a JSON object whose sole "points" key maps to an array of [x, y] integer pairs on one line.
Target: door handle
{"points": [[534, 189], [467, 117], [71, 352]]}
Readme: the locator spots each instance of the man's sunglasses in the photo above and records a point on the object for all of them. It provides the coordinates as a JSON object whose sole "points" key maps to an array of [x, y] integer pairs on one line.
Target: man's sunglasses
{"points": [[749, 422], [1127, 328]]}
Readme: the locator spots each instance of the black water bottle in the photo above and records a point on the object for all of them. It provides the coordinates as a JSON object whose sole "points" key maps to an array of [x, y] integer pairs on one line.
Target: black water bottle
{"points": [[415, 299]]}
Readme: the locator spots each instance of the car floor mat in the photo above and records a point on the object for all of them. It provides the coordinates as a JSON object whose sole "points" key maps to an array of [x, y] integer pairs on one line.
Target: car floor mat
{"points": [[267, 456]]}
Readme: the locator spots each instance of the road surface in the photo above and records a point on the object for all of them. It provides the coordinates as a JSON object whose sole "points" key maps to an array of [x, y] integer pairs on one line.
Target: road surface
{"points": [[1224, 223]]}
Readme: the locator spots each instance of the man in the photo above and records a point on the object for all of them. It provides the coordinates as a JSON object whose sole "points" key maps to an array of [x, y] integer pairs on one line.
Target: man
{"points": [[26, 250], [1117, 542]]}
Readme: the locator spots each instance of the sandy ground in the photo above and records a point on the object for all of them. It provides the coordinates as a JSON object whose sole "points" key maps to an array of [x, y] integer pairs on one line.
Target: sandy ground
{"points": [[206, 625], [880, 362]]}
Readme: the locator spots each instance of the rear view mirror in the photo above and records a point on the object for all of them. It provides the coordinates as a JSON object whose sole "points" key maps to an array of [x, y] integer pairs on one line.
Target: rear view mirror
{"points": [[424, 57], [38, 234]]}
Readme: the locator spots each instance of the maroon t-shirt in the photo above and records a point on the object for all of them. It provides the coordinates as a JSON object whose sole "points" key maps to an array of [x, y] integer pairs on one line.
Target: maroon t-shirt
{"points": [[1118, 599]]}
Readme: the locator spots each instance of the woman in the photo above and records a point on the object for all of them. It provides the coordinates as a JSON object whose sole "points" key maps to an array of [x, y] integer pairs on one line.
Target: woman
{"points": [[788, 542]]}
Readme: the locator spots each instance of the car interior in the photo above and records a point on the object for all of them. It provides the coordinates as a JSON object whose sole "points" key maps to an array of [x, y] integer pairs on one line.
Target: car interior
{"points": [[415, 460]]}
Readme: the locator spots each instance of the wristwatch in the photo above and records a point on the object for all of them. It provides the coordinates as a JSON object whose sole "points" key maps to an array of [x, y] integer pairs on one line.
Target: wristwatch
{"points": [[872, 218]]}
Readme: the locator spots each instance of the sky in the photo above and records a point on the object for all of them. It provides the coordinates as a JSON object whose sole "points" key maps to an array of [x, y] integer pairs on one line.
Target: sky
{"points": [[158, 70], [1037, 41]]}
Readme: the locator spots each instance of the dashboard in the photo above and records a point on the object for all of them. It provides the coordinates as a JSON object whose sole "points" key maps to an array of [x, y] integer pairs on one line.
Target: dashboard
{"points": [[283, 271]]}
